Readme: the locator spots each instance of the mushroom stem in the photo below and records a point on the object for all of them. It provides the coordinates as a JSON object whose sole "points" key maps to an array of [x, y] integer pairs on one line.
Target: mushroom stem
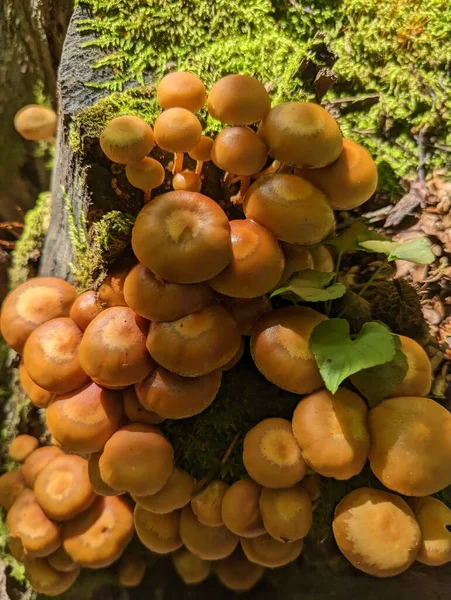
{"points": [[199, 165], [273, 168], [147, 196], [284, 168], [178, 162], [238, 198]]}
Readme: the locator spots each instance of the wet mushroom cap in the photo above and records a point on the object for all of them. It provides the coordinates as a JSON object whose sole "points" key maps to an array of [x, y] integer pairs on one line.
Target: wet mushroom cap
{"points": [[332, 432], [22, 446], [294, 210], [37, 395], [146, 174], [51, 356], [271, 455], [113, 350], [349, 181], [236, 359], [97, 537], [239, 150], [182, 237], [181, 90], [31, 304], [411, 445], [257, 262], [177, 130], [85, 309], [27, 521], [246, 311], [434, 519], [175, 397], [135, 411], [175, 494], [208, 543], [36, 461], [197, 344], [159, 300], [63, 488], [61, 561], [131, 569], [377, 532], [138, 459], [190, 567], [322, 259], [158, 532], [418, 379], [12, 484], [35, 122], [286, 513], [240, 509], [127, 139], [97, 483], [280, 348], [187, 180], [84, 420], [301, 134], [238, 100], [237, 573], [47, 580], [297, 258], [268, 552], [202, 150], [207, 504]]}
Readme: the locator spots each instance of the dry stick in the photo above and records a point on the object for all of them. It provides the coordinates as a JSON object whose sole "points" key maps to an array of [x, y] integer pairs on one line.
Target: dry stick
{"points": [[208, 478]]}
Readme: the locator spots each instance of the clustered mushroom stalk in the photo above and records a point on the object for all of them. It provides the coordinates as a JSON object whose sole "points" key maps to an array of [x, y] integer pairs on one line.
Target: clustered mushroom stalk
{"points": [[112, 366]]}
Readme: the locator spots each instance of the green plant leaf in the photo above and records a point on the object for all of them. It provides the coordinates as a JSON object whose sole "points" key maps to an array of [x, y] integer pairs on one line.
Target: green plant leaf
{"points": [[416, 251], [376, 383], [350, 240], [312, 286], [338, 356]]}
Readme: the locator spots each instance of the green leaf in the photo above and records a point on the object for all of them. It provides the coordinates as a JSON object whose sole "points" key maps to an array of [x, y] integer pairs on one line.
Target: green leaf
{"points": [[350, 240], [338, 356], [416, 251], [377, 383], [312, 286]]}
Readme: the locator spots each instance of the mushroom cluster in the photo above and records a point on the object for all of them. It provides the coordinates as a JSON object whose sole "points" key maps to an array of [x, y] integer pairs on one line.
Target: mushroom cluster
{"points": [[151, 344]]}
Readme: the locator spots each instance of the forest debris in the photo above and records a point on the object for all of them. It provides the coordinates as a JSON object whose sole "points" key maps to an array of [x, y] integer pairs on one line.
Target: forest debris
{"points": [[415, 197]]}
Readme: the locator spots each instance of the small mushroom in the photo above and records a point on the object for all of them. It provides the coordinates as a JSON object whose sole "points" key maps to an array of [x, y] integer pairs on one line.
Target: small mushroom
{"points": [[47, 580], [237, 573], [111, 292], [238, 100], [36, 394], [158, 532], [131, 569], [63, 489], [16, 549], [190, 568], [301, 134], [286, 513], [159, 300], [268, 552], [135, 411], [201, 152], [51, 356], [177, 130], [175, 494], [113, 350], [146, 174], [322, 259], [127, 139], [138, 459], [181, 90], [27, 521], [207, 504], [271, 455], [240, 509], [208, 543], [187, 180], [236, 359], [31, 304], [97, 483], [195, 345], [61, 561], [21, 447], [411, 445], [85, 309], [36, 461], [349, 181], [293, 209], [377, 532], [280, 348], [332, 432], [297, 258], [36, 123], [418, 379], [12, 484], [434, 519], [257, 262], [246, 311], [182, 237], [84, 420], [175, 397], [97, 537]]}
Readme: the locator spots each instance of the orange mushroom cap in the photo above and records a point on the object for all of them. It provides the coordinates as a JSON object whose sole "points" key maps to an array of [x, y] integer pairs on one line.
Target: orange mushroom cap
{"points": [[36, 461], [418, 379], [187, 180], [111, 292], [297, 258], [181, 90], [190, 568], [131, 569], [22, 446], [286, 513], [158, 532], [175, 494], [207, 503], [97, 483], [240, 509], [239, 150], [127, 139], [45, 579], [177, 130], [202, 150], [35, 122], [434, 519], [61, 561], [238, 100], [135, 411], [268, 552], [146, 174], [36, 394], [85, 309], [237, 573], [246, 311], [12, 484]]}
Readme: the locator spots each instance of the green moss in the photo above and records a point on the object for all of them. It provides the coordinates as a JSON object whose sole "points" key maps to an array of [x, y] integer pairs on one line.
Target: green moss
{"points": [[16, 569]]}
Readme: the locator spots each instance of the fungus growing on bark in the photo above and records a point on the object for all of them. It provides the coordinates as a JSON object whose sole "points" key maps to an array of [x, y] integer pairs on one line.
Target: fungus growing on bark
{"points": [[158, 532], [31, 304], [111, 292], [257, 262], [207, 504], [97, 483], [146, 174], [237, 573], [36, 461], [201, 152], [177, 130], [22, 446], [85, 309], [36, 123], [377, 532], [61, 561], [238, 100], [280, 348], [113, 350], [36, 394], [246, 311], [286, 513], [127, 139], [187, 180], [182, 237], [12, 484], [181, 90], [434, 519], [135, 411], [268, 552], [47, 580], [271, 455], [418, 379], [131, 569], [240, 509], [190, 568], [84, 420], [175, 494]]}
